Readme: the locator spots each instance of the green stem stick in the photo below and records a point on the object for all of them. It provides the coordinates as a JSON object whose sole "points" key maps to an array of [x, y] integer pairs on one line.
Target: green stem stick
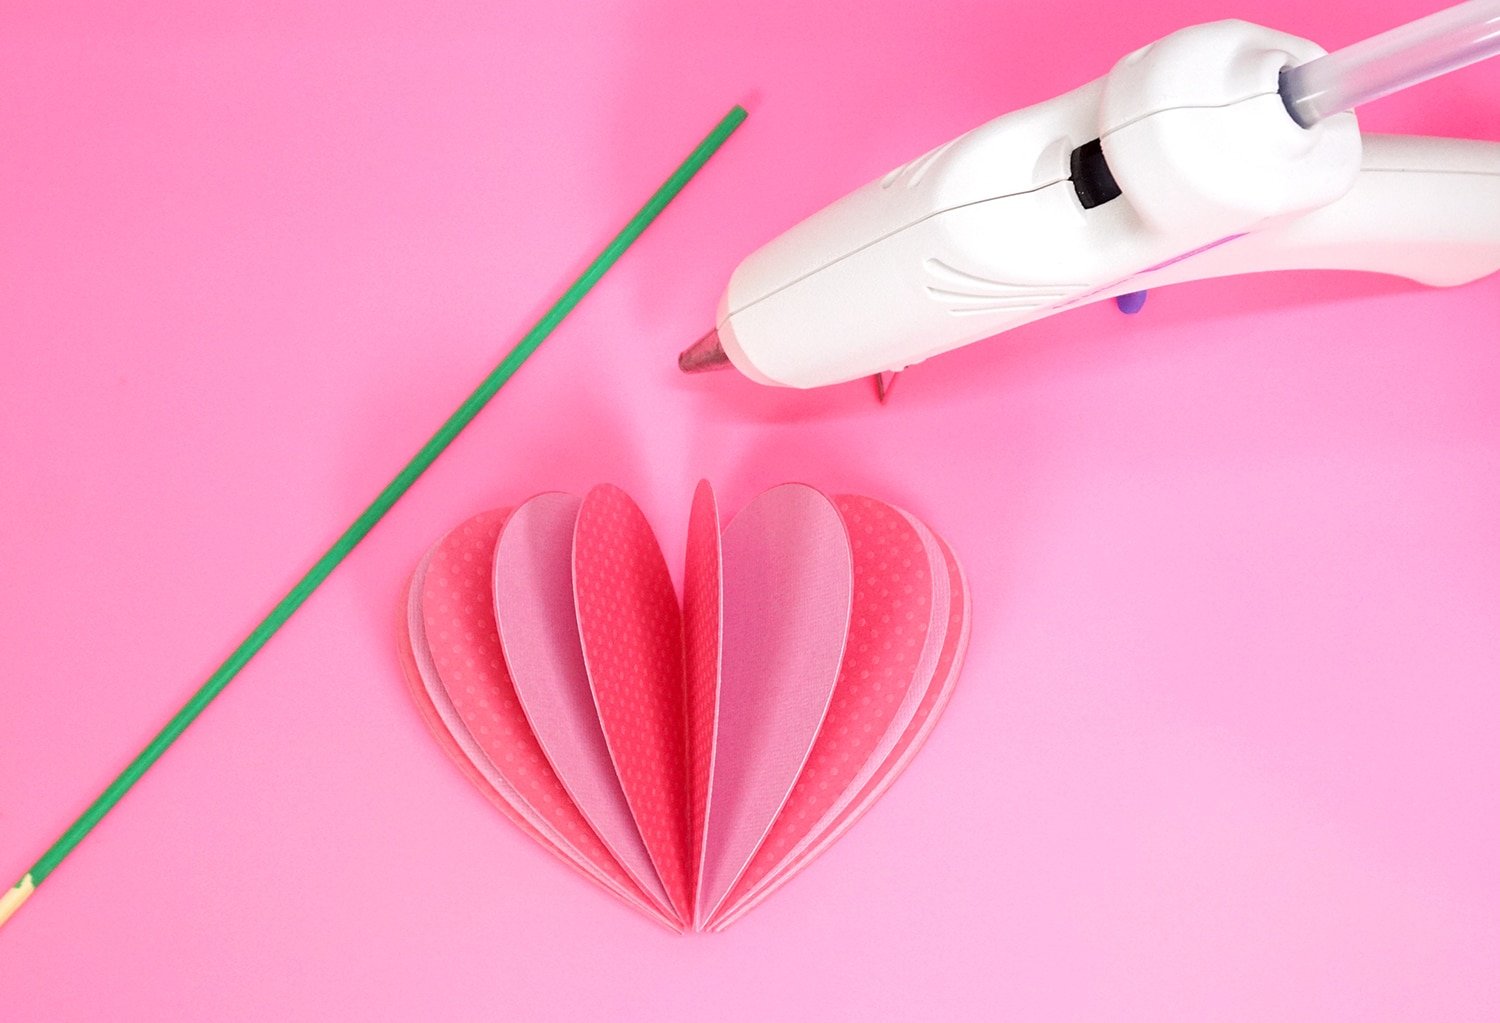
{"points": [[425, 456]]}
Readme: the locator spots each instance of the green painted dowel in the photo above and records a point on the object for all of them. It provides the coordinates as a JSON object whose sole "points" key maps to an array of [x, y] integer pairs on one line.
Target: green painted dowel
{"points": [[425, 456]]}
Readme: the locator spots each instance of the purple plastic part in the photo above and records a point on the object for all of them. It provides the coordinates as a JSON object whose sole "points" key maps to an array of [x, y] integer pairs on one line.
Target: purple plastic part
{"points": [[1131, 303]]}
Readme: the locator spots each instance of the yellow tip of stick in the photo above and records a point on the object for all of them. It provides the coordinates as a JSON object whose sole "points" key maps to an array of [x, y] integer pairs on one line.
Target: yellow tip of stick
{"points": [[13, 899]]}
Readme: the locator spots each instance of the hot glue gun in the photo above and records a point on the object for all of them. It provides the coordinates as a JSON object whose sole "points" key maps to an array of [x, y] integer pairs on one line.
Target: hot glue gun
{"points": [[1221, 149]]}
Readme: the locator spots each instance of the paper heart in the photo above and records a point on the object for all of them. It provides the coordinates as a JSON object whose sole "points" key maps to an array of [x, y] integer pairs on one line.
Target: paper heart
{"points": [[688, 759]]}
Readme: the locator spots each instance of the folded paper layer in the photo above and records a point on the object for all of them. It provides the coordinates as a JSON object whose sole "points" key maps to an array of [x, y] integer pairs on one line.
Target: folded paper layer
{"points": [[788, 581], [889, 622], [632, 646], [894, 753], [534, 609], [457, 654], [689, 759], [702, 629]]}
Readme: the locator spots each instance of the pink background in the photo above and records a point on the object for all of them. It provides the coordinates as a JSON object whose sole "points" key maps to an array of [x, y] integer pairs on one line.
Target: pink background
{"points": [[1225, 747]]}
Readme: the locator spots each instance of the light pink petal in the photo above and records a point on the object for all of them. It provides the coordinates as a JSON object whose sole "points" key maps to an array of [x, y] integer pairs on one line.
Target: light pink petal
{"points": [[788, 580], [893, 605], [934, 700], [533, 595]]}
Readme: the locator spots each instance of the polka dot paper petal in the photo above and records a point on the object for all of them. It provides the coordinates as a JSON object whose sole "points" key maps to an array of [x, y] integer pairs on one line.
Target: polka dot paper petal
{"points": [[534, 607], [456, 649], [631, 626], [702, 630], [690, 756]]}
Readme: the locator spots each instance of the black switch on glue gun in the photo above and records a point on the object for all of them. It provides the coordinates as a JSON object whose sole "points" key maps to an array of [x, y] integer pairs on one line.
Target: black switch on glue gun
{"points": [[1225, 148]]}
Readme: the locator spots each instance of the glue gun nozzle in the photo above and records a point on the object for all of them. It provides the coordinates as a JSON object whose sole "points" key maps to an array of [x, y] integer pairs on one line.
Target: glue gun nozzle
{"points": [[703, 355]]}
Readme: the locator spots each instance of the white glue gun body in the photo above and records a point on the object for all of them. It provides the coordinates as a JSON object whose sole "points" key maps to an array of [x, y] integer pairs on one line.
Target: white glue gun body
{"points": [[1182, 163]]}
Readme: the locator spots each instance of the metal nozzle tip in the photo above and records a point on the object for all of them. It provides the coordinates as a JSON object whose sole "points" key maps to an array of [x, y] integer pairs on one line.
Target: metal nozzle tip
{"points": [[703, 355]]}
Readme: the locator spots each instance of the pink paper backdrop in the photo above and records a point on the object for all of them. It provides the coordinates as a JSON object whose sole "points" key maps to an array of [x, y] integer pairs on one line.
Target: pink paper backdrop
{"points": [[1225, 747]]}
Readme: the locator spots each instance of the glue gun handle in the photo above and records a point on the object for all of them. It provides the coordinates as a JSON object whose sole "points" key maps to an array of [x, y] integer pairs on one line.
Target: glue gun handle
{"points": [[1423, 208]]}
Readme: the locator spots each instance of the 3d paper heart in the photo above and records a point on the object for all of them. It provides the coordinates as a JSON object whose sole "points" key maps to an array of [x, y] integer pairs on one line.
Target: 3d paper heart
{"points": [[688, 759]]}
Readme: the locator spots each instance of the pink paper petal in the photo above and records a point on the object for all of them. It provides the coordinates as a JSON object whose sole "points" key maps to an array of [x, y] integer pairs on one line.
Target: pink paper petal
{"points": [[548, 840], [632, 645], [934, 700], [703, 623], [533, 593], [456, 648], [889, 624], [416, 684], [787, 587]]}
